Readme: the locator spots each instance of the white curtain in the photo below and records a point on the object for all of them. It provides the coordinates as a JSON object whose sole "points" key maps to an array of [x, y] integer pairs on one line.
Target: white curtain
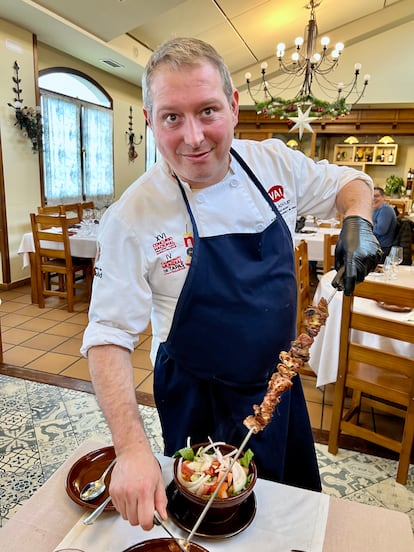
{"points": [[61, 150], [97, 146], [73, 131]]}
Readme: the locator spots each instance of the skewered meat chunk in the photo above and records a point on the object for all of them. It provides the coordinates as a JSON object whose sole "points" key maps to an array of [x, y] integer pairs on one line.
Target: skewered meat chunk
{"points": [[263, 413], [315, 317], [291, 362]]}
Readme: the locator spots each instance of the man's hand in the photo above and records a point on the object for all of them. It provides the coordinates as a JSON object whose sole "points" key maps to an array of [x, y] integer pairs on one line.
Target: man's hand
{"points": [[137, 488], [357, 250]]}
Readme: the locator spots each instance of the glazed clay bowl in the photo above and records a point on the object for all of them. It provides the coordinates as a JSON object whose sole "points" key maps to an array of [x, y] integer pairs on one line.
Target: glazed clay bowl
{"points": [[221, 509], [163, 545]]}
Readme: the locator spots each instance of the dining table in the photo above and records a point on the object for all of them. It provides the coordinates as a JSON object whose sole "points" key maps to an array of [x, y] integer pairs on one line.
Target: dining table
{"points": [[324, 352], [314, 237], [82, 238], [284, 518]]}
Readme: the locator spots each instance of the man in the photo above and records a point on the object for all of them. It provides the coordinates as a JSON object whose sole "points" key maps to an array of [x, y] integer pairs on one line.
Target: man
{"points": [[385, 221], [202, 245]]}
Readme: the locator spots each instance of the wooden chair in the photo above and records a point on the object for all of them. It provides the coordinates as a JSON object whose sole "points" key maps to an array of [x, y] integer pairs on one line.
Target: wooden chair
{"points": [[377, 379], [329, 241], [53, 257], [304, 299], [49, 210], [71, 212], [85, 206], [302, 279]]}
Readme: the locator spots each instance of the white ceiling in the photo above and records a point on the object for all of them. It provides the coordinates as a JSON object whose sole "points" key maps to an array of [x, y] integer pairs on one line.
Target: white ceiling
{"points": [[376, 32]]}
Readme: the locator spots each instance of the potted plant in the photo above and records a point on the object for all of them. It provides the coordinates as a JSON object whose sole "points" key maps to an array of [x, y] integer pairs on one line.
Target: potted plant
{"points": [[394, 186]]}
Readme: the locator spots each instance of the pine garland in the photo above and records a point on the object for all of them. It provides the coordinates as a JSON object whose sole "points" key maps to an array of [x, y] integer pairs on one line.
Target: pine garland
{"points": [[289, 108]]}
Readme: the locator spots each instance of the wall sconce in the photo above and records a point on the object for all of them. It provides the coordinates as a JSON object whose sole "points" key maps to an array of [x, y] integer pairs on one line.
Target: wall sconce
{"points": [[132, 154], [292, 144], [28, 119], [351, 140], [386, 140]]}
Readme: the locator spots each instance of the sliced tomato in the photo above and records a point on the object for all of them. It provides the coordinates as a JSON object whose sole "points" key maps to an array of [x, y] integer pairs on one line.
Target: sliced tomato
{"points": [[186, 471]]}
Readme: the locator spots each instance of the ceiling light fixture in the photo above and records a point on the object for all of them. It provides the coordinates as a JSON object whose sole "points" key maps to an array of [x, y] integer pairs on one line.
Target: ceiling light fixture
{"points": [[312, 67]]}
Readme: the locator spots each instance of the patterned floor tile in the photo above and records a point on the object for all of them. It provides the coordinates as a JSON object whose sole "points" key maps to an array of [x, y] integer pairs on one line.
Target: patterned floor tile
{"points": [[41, 425]]}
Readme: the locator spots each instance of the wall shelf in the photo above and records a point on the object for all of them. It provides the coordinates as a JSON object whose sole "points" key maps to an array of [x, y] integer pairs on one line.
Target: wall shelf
{"points": [[365, 154]]}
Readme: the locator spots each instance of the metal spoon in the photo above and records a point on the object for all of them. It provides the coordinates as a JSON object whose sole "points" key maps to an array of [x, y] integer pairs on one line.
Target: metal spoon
{"points": [[93, 489], [91, 518]]}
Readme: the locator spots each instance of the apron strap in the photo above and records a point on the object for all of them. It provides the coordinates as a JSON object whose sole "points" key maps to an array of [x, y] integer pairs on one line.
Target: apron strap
{"points": [[254, 178], [190, 212]]}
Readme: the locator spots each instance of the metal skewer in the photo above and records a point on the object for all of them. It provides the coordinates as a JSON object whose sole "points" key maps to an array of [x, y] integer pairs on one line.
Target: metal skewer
{"points": [[197, 524], [337, 280]]}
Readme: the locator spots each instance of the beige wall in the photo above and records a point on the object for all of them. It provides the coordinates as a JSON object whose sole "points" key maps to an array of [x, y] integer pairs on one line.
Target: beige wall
{"points": [[20, 165]]}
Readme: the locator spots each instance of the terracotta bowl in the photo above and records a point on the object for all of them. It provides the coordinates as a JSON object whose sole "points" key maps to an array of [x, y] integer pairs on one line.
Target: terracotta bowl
{"points": [[222, 508], [163, 545]]}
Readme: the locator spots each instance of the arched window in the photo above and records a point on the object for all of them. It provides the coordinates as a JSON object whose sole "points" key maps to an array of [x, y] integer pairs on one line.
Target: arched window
{"points": [[77, 138]]}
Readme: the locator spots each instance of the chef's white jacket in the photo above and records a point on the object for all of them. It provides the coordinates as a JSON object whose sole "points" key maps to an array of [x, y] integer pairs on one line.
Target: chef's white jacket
{"points": [[145, 238]]}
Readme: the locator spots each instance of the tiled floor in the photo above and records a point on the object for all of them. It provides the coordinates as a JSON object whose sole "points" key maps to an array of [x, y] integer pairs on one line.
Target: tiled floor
{"points": [[40, 424], [47, 341]]}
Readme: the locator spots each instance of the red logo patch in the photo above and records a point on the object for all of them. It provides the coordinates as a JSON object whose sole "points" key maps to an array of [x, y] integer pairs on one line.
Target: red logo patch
{"points": [[276, 193]]}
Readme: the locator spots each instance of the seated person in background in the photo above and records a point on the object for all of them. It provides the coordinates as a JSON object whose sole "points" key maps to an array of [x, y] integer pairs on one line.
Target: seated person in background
{"points": [[385, 221]]}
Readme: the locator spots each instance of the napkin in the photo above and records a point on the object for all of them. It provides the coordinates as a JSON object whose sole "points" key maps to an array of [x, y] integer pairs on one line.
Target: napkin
{"points": [[286, 518], [410, 316]]}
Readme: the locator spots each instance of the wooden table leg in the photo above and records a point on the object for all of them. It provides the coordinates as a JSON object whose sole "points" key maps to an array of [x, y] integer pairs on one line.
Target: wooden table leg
{"points": [[33, 278]]}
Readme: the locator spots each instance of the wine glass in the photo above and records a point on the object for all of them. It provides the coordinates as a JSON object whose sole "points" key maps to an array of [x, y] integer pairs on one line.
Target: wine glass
{"points": [[396, 256], [387, 268]]}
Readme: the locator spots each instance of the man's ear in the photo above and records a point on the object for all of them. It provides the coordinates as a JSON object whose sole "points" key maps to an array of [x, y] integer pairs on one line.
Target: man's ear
{"points": [[235, 106], [147, 117]]}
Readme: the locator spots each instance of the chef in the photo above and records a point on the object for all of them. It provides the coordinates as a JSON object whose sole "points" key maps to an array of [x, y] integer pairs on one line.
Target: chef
{"points": [[201, 245]]}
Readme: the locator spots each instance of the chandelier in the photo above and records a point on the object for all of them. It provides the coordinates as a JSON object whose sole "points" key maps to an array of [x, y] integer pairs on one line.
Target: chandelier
{"points": [[312, 68]]}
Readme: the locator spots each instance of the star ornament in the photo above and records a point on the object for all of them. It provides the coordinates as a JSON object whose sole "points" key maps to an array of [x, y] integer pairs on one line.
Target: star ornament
{"points": [[302, 121]]}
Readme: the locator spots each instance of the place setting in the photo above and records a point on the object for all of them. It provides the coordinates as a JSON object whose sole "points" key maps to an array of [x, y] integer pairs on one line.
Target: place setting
{"points": [[266, 514]]}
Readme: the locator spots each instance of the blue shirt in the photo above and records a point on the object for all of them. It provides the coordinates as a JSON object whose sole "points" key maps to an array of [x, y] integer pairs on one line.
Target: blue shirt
{"points": [[385, 224]]}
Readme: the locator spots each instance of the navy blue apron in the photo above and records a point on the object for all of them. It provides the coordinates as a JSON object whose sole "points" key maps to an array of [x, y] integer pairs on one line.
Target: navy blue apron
{"points": [[235, 313]]}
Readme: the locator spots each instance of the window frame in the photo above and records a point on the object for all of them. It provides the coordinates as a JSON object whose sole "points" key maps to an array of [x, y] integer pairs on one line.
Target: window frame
{"points": [[80, 104]]}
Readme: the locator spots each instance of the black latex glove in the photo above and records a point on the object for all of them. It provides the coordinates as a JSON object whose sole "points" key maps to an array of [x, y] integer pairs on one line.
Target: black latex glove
{"points": [[357, 250]]}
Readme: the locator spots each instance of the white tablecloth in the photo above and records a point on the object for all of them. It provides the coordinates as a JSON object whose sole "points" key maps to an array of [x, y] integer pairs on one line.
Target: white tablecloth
{"points": [[287, 517], [81, 244], [325, 349], [314, 240], [49, 515]]}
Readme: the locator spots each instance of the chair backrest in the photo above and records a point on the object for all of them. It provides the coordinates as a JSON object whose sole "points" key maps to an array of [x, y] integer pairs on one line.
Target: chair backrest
{"points": [[71, 212], [404, 237], [302, 278], [49, 210], [85, 206], [382, 379], [329, 241], [51, 245]]}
